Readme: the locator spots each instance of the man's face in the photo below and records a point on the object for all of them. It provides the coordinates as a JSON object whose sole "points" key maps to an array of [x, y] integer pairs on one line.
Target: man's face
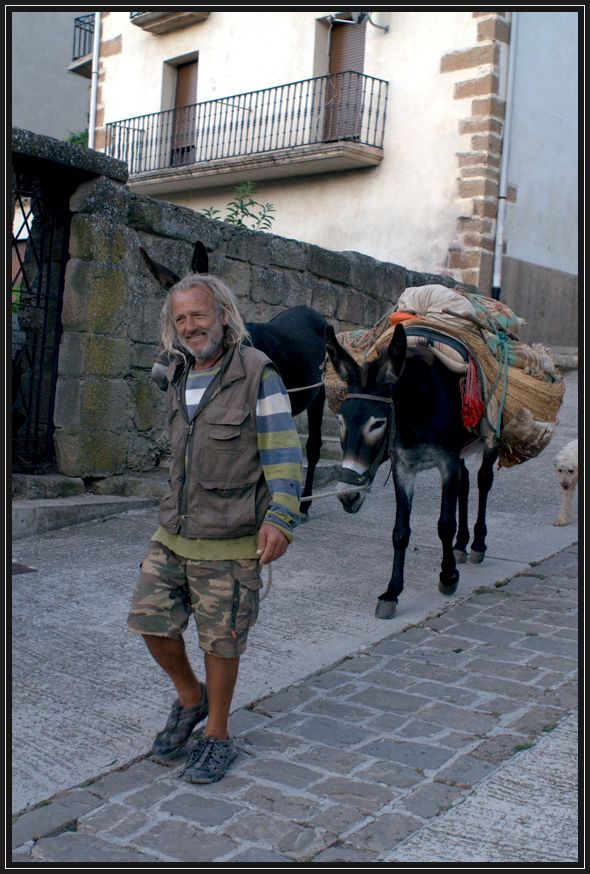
{"points": [[199, 326]]}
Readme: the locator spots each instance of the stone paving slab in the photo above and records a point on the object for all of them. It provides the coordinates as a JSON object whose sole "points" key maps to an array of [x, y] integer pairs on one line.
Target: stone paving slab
{"points": [[364, 761]]}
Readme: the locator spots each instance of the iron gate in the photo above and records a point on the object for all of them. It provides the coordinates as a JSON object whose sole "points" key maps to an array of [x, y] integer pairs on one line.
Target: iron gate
{"points": [[40, 237]]}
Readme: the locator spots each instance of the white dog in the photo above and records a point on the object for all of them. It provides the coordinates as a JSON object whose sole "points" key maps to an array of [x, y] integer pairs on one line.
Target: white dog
{"points": [[566, 467]]}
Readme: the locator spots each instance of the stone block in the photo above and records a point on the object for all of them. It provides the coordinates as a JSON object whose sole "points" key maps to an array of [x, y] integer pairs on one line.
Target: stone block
{"points": [[286, 701], [411, 753], [196, 808], [330, 759], [381, 835], [339, 818], [102, 196], [185, 843], [388, 699], [256, 854], [417, 728], [46, 486], [143, 400], [141, 357], [127, 779], [74, 847], [172, 221], [394, 774], [95, 298], [534, 720], [459, 717], [86, 454], [343, 854], [472, 57], [270, 799], [93, 355], [364, 795], [498, 748], [336, 266], [465, 772], [448, 693], [104, 405], [483, 85], [236, 274], [130, 486], [337, 710], [288, 253], [66, 413], [302, 844], [51, 819], [243, 720], [258, 827], [286, 773], [324, 297], [269, 286], [246, 245], [430, 798], [94, 238], [332, 732]]}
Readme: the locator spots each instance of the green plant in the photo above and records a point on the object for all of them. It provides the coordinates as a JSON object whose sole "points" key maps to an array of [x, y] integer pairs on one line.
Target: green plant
{"points": [[79, 139], [550, 726], [520, 747], [240, 210]]}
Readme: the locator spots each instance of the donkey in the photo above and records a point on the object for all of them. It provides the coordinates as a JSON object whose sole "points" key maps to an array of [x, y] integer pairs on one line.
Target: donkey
{"points": [[407, 404], [294, 340]]}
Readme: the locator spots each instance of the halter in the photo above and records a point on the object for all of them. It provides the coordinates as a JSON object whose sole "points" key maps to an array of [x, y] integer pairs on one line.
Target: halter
{"points": [[365, 479]]}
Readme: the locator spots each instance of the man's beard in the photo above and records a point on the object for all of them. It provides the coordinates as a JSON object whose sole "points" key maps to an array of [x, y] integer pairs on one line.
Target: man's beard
{"points": [[215, 336]]}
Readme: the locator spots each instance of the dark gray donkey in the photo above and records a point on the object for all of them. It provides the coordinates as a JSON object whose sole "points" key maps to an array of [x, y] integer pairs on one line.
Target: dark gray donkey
{"points": [[407, 405], [293, 340]]}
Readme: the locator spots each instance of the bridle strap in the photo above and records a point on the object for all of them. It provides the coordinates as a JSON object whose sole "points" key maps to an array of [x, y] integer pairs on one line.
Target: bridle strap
{"points": [[369, 398], [345, 475]]}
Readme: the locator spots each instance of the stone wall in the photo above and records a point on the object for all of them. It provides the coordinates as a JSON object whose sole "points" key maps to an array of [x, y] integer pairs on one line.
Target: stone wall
{"points": [[109, 415]]}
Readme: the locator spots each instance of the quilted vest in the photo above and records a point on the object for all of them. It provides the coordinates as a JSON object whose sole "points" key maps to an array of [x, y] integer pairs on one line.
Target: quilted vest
{"points": [[217, 487]]}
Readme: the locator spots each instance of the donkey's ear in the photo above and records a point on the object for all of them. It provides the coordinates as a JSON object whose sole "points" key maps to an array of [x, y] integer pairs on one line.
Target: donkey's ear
{"points": [[166, 278], [200, 262], [344, 364], [396, 356]]}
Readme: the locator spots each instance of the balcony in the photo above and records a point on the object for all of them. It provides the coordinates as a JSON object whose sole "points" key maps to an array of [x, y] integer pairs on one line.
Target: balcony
{"points": [[82, 50], [162, 22], [319, 125]]}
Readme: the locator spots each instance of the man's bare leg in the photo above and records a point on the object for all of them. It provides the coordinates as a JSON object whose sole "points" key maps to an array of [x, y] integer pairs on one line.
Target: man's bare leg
{"points": [[221, 680], [170, 654]]}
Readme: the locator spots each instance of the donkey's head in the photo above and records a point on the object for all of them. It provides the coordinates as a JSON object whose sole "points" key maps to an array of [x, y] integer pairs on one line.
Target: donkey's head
{"points": [[366, 413]]}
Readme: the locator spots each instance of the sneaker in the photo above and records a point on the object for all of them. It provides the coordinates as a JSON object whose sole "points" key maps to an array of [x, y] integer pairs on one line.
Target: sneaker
{"points": [[179, 727], [209, 760]]}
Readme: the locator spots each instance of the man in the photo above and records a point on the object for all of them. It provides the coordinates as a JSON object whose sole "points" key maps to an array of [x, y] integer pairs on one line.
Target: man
{"points": [[231, 506]]}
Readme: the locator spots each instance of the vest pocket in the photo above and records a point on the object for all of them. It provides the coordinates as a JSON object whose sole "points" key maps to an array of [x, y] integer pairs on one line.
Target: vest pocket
{"points": [[226, 506]]}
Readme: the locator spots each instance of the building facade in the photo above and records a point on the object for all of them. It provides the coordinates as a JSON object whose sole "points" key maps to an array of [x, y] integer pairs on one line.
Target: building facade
{"points": [[46, 98], [381, 133]]}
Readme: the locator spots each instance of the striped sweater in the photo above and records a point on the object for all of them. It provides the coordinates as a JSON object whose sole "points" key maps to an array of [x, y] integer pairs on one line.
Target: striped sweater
{"points": [[281, 458]]}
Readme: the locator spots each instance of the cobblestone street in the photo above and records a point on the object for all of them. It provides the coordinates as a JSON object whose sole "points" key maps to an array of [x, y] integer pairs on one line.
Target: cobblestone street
{"points": [[353, 763]]}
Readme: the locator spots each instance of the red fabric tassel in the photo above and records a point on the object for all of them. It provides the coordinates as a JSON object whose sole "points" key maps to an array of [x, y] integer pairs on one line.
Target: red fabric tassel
{"points": [[472, 406]]}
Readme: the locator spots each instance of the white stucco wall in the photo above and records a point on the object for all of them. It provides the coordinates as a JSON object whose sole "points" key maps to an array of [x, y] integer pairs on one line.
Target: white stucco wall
{"points": [[541, 227], [405, 209], [46, 98]]}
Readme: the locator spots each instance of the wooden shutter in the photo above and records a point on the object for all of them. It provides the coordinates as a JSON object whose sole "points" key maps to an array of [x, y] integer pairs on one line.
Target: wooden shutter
{"points": [[183, 138], [347, 48], [345, 85], [186, 84]]}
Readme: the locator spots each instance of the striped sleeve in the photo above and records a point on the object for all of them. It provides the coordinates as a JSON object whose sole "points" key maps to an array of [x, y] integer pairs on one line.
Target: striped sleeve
{"points": [[280, 452]]}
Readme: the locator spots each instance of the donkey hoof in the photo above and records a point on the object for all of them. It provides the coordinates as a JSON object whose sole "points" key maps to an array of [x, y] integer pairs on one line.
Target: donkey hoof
{"points": [[303, 517], [450, 587], [460, 556], [476, 557], [385, 609]]}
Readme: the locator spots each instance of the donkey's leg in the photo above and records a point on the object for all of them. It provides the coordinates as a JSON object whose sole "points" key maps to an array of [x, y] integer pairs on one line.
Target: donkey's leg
{"points": [[485, 478], [404, 481], [460, 547], [447, 524], [315, 413]]}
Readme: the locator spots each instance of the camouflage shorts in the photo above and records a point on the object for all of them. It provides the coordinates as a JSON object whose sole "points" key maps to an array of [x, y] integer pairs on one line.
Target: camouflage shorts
{"points": [[222, 595]]}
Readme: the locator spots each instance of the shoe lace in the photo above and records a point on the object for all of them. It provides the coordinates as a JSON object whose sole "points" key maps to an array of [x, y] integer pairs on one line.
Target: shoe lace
{"points": [[208, 751]]}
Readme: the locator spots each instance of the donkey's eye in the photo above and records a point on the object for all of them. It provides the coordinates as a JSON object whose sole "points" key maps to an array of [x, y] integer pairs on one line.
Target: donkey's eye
{"points": [[377, 424]]}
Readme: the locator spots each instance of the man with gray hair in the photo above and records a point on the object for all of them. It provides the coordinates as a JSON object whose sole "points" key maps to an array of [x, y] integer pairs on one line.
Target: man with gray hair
{"points": [[231, 505]]}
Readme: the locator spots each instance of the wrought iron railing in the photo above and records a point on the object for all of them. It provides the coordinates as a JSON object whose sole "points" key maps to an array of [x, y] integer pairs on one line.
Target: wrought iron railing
{"points": [[83, 36], [342, 106]]}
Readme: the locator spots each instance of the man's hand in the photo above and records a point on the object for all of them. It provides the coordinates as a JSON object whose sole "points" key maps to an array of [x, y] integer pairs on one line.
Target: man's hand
{"points": [[272, 543]]}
